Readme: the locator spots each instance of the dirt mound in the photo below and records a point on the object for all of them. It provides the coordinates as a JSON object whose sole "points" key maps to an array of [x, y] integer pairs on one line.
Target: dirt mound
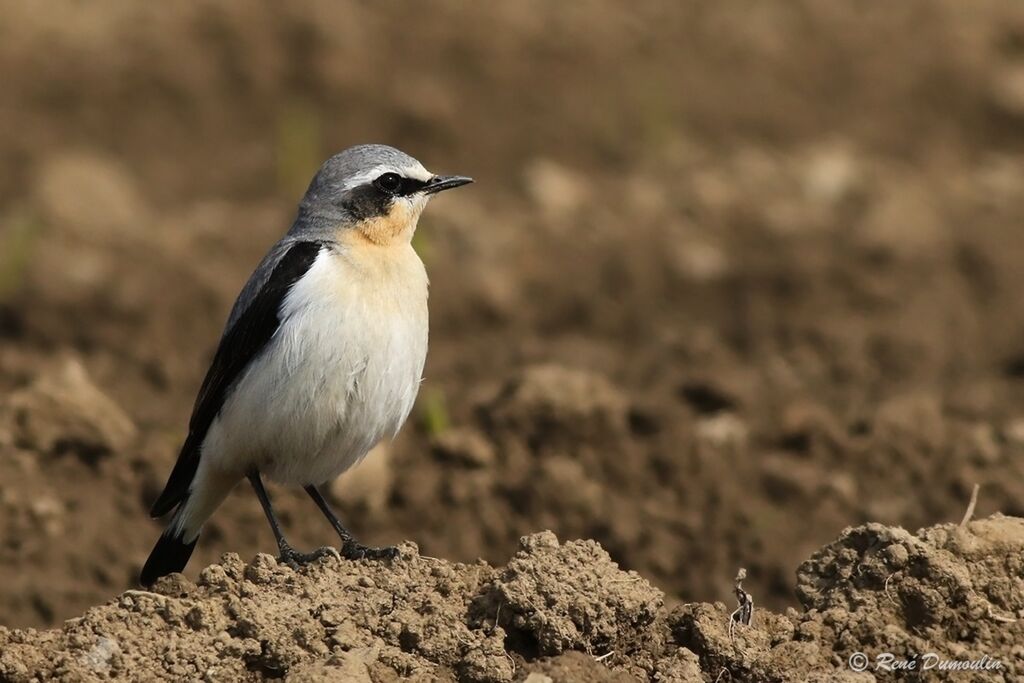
{"points": [[945, 596], [564, 611]]}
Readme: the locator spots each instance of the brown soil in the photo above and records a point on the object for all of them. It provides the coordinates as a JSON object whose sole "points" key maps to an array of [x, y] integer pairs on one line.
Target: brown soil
{"points": [[554, 612], [732, 279]]}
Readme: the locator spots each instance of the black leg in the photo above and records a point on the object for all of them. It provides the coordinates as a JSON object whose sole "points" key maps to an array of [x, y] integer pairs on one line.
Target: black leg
{"points": [[350, 548], [288, 555]]}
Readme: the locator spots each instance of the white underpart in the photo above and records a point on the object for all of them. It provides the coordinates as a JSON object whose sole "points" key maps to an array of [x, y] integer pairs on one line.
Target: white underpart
{"points": [[341, 373]]}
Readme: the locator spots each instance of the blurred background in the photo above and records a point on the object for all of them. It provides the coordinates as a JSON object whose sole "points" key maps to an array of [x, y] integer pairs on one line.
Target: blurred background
{"points": [[733, 277]]}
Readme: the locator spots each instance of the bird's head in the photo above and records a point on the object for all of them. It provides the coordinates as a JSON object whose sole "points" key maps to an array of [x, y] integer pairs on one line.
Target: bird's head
{"points": [[373, 192]]}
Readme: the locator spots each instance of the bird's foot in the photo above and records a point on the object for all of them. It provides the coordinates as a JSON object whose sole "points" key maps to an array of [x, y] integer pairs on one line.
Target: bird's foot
{"points": [[353, 550], [294, 559]]}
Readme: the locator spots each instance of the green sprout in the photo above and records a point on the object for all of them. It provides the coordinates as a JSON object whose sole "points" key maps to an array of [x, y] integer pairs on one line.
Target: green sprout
{"points": [[16, 244], [421, 243], [433, 412], [299, 146]]}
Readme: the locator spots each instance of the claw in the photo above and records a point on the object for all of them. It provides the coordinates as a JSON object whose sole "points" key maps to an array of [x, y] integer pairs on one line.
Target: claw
{"points": [[294, 559], [358, 551]]}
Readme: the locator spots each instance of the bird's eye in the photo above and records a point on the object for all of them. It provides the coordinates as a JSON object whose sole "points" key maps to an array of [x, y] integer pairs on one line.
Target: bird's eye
{"points": [[389, 182]]}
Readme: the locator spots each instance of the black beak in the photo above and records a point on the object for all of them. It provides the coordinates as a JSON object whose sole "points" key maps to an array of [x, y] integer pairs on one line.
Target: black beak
{"points": [[439, 183]]}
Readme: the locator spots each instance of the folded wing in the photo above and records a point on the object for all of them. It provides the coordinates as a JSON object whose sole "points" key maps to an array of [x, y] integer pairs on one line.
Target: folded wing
{"points": [[251, 325]]}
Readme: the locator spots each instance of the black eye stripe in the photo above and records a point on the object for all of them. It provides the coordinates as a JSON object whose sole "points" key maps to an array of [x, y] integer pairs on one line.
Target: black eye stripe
{"points": [[411, 186], [396, 185]]}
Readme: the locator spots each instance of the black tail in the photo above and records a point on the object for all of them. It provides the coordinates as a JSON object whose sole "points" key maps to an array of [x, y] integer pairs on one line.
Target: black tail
{"points": [[176, 489], [170, 554]]}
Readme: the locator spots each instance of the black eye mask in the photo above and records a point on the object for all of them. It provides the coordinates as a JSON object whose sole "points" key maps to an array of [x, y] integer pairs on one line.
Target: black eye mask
{"points": [[397, 186], [375, 199]]}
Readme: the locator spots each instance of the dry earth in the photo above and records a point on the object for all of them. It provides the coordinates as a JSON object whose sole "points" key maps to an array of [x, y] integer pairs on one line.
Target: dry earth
{"points": [[554, 612]]}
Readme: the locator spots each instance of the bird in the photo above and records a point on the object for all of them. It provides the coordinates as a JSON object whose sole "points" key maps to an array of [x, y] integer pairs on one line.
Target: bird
{"points": [[321, 358]]}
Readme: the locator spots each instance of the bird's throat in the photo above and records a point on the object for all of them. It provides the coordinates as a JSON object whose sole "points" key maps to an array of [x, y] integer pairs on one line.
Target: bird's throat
{"points": [[395, 227]]}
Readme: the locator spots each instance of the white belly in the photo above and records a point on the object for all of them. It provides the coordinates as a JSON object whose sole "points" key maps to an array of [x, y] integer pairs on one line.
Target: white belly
{"points": [[341, 373]]}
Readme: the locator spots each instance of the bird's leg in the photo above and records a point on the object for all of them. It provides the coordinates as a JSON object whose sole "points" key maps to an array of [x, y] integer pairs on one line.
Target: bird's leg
{"points": [[351, 549], [288, 555]]}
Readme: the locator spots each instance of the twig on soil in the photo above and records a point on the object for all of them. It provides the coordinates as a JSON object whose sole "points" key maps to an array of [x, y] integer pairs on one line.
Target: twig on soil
{"points": [[744, 613], [999, 617], [605, 656], [512, 661], [497, 616], [886, 588], [723, 671], [134, 593], [970, 506]]}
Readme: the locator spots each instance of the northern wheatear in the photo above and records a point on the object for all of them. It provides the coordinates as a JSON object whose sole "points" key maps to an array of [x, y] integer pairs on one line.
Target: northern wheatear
{"points": [[322, 355]]}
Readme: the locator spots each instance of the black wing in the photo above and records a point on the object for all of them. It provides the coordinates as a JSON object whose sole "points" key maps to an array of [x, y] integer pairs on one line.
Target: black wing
{"points": [[239, 346]]}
